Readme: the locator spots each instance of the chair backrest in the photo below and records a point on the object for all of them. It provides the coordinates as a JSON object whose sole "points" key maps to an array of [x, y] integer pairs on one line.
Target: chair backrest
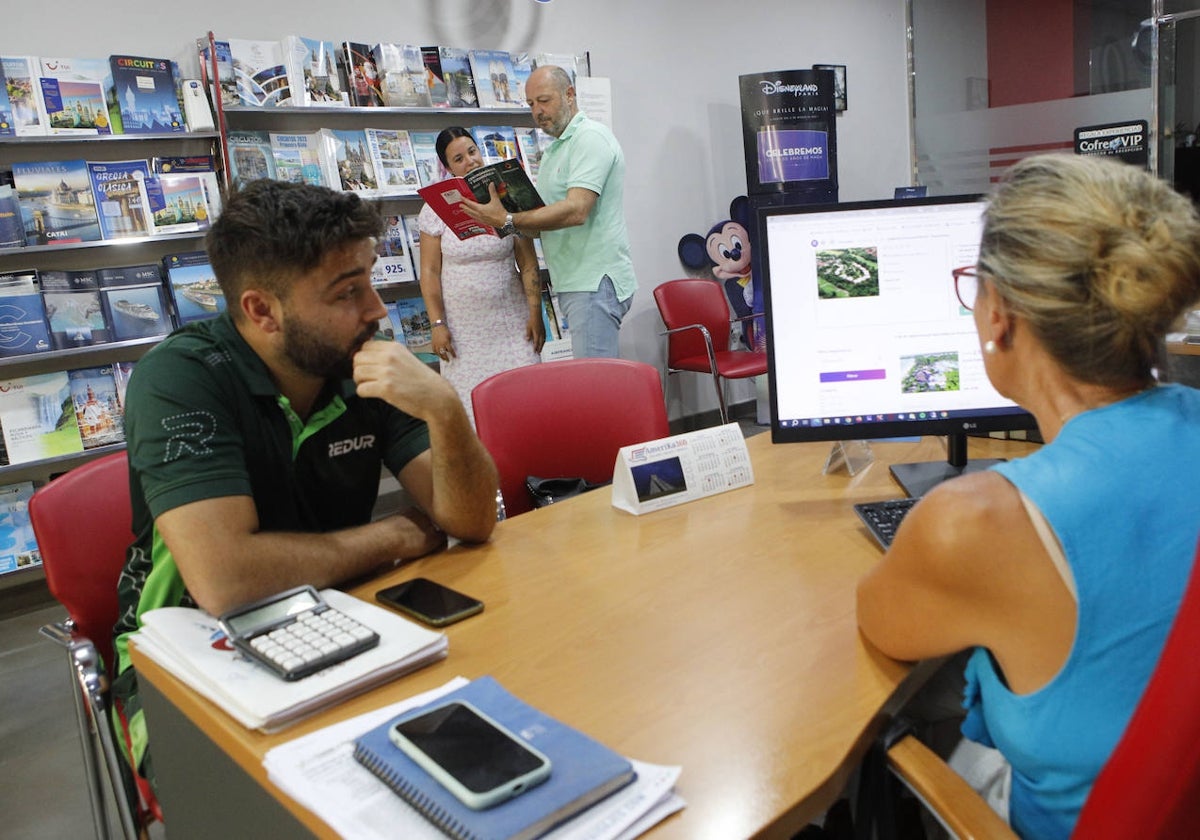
{"points": [[566, 419], [83, 524], [693, 301], [1150, 785]]}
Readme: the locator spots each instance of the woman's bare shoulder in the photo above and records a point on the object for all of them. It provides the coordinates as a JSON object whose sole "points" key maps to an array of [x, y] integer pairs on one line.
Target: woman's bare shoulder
{"points": [[958, 518], [943, 563]]}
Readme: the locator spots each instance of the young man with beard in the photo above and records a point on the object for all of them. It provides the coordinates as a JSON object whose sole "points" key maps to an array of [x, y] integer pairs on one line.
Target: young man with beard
{"points": [[256, 438]]}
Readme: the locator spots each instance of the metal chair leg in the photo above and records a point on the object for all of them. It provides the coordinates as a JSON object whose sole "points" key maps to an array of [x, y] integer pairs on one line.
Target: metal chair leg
{"points": [[91, 759], [95, 733], [665, 375], [720, 397]]}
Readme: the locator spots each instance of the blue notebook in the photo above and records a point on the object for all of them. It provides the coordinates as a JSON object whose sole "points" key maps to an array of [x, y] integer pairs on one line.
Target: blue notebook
{"points": [[582, 772]]}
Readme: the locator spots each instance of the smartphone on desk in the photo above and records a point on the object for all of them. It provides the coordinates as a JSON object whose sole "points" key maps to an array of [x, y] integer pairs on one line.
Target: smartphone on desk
{"points": [[471, 755], [429, 601]]}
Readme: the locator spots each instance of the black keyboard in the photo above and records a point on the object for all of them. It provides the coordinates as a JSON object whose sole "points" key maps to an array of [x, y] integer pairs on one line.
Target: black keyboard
{"points": [[883, 518]]}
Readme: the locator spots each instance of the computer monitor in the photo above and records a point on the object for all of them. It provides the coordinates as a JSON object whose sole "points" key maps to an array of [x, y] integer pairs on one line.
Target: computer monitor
{"points": [[866, 336]]}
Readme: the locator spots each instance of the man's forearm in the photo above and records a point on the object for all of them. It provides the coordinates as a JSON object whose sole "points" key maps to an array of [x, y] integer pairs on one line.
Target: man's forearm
{"points": [[455, 480], [464, 481], [556, 216], [222, 572], [571, 211]]}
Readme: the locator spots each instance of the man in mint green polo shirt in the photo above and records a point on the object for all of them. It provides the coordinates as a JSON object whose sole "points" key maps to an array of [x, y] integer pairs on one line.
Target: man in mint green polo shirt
{"points": [[581, 178], [256, 438]]}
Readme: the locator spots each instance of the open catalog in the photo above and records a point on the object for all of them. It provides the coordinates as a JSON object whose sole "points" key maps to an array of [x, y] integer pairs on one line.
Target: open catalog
{"points": [[189, 644], [512, 184]]}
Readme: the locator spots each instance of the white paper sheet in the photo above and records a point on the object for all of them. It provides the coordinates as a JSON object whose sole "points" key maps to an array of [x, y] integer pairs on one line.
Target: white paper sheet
{"points": [[319, 771]]}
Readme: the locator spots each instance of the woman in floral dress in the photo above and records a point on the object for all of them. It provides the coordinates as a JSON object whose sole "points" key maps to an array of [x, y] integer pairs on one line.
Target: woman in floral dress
{"points": [[483, 294]]}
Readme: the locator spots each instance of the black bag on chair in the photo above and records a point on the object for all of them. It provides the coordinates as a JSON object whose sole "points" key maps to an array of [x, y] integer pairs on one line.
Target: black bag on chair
{"points": [[547, 491]]}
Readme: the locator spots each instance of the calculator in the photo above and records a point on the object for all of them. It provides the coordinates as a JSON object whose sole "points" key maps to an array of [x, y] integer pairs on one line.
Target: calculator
{"points": [[296, 633]]}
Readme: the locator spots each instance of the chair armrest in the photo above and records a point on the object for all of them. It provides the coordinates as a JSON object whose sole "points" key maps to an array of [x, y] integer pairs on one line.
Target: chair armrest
{"points": [[956, 805], [708, 342], [703, 329], [89, 671]]}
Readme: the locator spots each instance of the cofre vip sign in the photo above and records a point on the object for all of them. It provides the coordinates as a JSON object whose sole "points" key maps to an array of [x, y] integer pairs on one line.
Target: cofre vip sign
{"points": [[1125, 140], [789, 130]]}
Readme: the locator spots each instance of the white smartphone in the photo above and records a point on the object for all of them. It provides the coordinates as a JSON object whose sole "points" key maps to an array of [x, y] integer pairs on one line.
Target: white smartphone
{"points": [[471, 755]]}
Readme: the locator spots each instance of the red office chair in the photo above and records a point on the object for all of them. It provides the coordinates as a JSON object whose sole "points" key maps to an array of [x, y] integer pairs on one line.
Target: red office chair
{"points": [[1150, 786], [565, 420], [82, 522], [696, 315]]}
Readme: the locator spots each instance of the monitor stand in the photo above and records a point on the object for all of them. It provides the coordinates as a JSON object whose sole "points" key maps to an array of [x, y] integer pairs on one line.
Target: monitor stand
{"points": [[851, 455], [919, 478]]}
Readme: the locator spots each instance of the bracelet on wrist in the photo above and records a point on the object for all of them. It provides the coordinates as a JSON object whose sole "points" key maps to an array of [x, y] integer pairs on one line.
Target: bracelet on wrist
{"points": [[440, 322]]}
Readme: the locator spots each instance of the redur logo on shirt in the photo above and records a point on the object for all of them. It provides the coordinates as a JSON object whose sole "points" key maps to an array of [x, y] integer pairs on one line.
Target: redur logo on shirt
{"points": [[344, 447]]}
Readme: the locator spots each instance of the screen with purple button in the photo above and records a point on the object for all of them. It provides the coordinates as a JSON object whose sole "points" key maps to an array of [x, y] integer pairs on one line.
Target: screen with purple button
{"points": [[866, 336]]}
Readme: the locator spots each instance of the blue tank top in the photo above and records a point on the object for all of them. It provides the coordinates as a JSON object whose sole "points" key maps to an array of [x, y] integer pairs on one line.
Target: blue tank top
{"points": [[1119, 487]]}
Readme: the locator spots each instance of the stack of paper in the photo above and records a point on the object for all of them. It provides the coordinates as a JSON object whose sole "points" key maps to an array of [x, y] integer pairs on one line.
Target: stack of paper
{"points": [[190, 645], [319, 772]]}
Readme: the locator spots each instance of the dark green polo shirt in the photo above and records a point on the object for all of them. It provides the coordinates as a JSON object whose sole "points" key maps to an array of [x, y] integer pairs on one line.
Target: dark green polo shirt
{"points": [[203, 420]]}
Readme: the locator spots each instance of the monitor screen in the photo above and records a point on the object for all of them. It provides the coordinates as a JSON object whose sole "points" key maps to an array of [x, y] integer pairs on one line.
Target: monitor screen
{"points": [[867, 338]]}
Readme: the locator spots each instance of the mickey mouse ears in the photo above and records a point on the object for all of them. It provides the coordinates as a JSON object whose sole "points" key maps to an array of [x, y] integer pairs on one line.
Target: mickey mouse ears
{"points": [[692, 249]]}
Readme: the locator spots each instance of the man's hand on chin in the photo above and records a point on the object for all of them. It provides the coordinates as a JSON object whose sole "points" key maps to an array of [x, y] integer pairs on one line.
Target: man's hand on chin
{"points": [[387, 370]]}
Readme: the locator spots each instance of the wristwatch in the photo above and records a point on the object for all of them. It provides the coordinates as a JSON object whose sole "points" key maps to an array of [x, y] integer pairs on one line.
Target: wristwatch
{"points": [[509, 228]]}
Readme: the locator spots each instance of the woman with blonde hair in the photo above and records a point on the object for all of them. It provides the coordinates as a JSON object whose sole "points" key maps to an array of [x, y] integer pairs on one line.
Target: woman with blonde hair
{"points": [[1062, 570]]}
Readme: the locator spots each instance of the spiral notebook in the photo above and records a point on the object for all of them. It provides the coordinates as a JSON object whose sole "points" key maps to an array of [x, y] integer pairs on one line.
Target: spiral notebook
{"points": [[583, 771]]}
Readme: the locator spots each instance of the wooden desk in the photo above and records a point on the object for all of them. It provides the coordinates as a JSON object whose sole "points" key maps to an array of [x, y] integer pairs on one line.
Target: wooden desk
{"points": [[718, 635], [1183, 348]]}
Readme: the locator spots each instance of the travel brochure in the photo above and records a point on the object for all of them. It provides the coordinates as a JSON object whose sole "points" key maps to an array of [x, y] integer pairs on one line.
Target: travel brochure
{"points": [[510, 181], [67, 202], [18, 546], [120, 94]]}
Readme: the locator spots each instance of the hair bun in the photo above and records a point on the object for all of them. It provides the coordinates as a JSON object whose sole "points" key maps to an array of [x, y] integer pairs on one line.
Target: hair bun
{"points": [[1098, 256]]}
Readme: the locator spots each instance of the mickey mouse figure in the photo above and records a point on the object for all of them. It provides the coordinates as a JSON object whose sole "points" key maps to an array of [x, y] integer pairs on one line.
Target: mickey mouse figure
{"points": [[725, 251]]}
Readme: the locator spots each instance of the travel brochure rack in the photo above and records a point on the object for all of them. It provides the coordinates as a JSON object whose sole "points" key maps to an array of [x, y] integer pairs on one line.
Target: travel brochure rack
{"points": [[86, 255], [150, 249], [313, 117]]}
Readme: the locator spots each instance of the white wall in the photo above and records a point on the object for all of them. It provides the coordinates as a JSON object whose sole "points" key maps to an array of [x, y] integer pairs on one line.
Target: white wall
{"points": [[673, 65], [949, 47]]}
